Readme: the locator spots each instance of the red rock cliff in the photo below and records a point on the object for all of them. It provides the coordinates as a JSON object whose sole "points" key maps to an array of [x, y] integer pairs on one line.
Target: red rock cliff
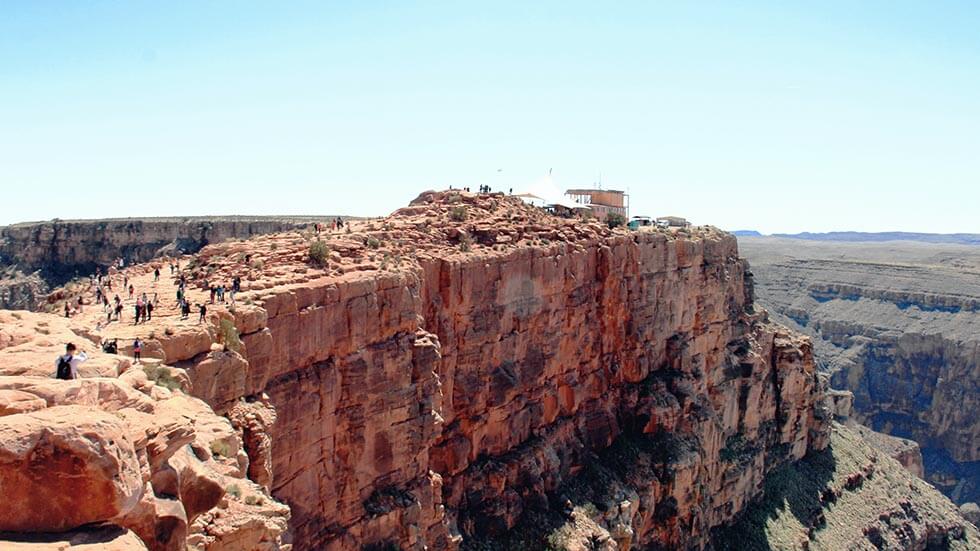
{"points": [[466, 362], [471, 371]]}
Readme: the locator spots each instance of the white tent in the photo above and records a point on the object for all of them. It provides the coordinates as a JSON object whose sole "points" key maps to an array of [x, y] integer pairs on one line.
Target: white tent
{"points": [[544, 190]]}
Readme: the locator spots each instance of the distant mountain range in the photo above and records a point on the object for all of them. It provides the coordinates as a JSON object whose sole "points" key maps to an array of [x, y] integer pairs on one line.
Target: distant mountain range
{"points": [[854, 236]]}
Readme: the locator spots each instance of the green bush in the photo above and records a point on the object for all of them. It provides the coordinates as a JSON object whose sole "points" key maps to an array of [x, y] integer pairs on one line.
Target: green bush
{"points": [[615, 220], [229, 335], [372, 243], [457, 214], [234, 490], [319, 253]]}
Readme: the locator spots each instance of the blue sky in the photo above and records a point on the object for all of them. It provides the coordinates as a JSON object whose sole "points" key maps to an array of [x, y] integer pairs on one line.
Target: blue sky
{"points": [[815, 116]]}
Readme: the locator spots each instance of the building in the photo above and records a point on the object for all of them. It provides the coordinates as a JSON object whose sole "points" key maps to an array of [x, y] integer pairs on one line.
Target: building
{"points": [[673, 222], [602, 202]]}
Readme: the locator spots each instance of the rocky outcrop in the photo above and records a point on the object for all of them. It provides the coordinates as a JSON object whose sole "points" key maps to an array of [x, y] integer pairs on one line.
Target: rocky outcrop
{"points": [[848, 496], [446, 375], [36, 256], [897, 324], [468, 373], [157, 465]]}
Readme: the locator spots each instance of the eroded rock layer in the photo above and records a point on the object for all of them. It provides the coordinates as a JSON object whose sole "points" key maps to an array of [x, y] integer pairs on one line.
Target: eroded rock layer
{"points": [[469, 372], [443, 375], [898, 324]]}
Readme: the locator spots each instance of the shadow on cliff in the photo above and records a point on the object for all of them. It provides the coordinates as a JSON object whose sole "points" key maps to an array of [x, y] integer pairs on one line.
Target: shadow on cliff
{"points": [[801, 488]]}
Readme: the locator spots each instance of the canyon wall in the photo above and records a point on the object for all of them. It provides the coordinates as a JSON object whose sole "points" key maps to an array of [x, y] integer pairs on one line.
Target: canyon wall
{"points": [[468, 373], [896, 323]]}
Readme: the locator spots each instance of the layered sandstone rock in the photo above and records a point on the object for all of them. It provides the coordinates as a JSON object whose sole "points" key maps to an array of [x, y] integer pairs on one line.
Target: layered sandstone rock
{"points": [[468, 372], [848, 496], [447, 374], [897, 324], [156, 464]]}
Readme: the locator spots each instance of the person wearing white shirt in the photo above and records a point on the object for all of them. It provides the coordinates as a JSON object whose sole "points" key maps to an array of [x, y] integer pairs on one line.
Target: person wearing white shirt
{"points": [[72, 359]]}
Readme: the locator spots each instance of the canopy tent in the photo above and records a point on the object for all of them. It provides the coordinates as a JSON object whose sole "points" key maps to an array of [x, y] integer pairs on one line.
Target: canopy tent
{"points": [[545, 190], [569, 204]]}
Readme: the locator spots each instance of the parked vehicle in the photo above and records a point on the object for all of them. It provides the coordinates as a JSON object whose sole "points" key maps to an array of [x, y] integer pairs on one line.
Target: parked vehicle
{"points": [[638, 222]]}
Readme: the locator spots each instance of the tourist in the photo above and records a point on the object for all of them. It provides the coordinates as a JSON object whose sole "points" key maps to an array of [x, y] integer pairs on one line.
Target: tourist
{"points": [[66, 366], [137, 349], [185, 310], [80, 303], [213, 291], [119, 311], [67, 310], [203, 311], [131, 290], [137, 307], [156, 274], [149, 310]]}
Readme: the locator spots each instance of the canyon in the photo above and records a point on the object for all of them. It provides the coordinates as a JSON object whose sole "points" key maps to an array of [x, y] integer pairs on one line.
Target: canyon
{"points": [[467, 373], [898, 324]]}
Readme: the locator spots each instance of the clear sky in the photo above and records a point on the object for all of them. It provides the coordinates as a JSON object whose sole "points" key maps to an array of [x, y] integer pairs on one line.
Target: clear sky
{"points": [[814, 116]]}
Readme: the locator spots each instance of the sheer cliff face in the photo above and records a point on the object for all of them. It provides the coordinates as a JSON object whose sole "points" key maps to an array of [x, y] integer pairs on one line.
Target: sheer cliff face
{"points": [[897, 324], [469, 367]]}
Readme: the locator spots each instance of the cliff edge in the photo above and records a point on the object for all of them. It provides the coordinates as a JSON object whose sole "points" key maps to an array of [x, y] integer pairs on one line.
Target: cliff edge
{"points": [[474, 373]]}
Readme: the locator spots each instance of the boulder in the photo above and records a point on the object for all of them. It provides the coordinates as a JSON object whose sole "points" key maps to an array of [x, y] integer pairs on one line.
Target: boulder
{"points": [[62, 467]]}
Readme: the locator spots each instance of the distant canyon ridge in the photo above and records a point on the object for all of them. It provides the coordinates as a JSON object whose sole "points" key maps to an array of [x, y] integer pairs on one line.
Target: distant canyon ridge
{"points": [[895, 318]]}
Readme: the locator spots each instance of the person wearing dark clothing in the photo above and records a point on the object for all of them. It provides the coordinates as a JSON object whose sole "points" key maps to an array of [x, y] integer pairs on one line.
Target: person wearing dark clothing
{"points": [[203, 310], [156, 274], [185, 310], [136, 313], [213, 291], [137, 349], [149, 310]]}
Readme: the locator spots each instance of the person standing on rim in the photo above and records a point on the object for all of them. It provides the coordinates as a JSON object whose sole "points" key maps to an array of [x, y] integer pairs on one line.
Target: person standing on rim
{"points": [[137, 349], [66, 366]]}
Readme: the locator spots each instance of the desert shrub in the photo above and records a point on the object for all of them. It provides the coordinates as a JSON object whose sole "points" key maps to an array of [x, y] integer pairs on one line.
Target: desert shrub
{"points": [[221, 448], [253, 500], [257, 263], [228, 334], [319, 253], [234, 490], [372, 243], [465, 243], [161, 376], [615, 220], [457, 214]]}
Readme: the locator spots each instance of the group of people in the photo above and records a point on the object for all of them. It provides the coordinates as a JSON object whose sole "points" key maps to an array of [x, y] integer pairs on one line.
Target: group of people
{"points": [[335, 224], [66, 365]]}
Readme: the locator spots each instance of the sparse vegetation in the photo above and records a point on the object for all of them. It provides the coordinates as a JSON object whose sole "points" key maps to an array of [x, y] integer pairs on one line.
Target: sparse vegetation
{"points": [[457, 213], [465, 243], [228, 335], [615, 220], [221, 448], [234, 490], [161, 376], [319, 253], [372, 243], [253, 499]]}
